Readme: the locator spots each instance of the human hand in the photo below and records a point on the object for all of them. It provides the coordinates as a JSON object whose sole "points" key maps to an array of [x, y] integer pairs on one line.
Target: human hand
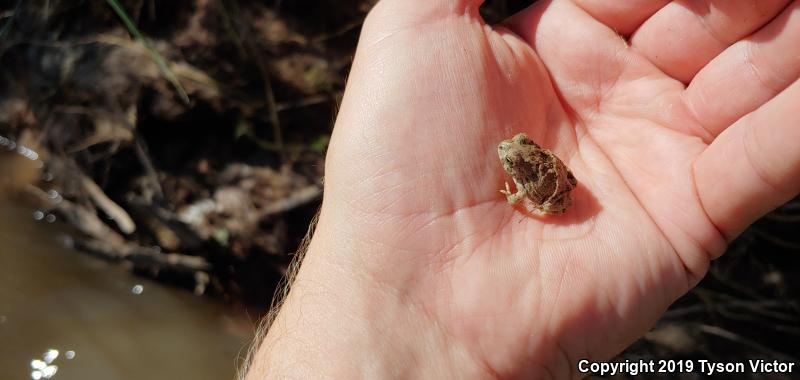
{"points": [[681, 132]]}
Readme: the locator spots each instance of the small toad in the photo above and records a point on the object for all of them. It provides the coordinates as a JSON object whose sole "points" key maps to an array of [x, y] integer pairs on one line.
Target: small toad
{"points": [[538, 174]]}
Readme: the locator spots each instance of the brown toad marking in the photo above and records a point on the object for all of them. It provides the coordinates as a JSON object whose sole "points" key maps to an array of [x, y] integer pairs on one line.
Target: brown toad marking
{"points": [[538, 174]]}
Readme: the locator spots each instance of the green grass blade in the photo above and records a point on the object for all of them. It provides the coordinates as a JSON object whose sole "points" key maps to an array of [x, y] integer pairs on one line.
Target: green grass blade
{"points": [[7, 26], [162, 64]]}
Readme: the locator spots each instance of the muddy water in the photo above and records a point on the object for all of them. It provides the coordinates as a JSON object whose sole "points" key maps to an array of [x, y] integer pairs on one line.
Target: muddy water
{"points": [[65, 315]]}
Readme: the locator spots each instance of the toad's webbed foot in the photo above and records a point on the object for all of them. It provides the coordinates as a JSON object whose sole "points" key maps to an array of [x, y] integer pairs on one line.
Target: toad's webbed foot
{"points": [[513, 198]]}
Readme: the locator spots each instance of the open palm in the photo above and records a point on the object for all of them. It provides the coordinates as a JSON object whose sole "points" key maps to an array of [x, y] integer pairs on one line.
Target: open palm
{"points": [[679, 120]]}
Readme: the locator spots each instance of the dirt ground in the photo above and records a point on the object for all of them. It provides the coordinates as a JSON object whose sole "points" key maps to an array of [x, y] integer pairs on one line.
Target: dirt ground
{"points": [[196, 156]]}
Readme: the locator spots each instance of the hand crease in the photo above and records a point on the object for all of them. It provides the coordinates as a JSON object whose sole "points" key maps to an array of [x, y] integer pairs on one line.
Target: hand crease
{"points": [[696, 193], [708, 136]]}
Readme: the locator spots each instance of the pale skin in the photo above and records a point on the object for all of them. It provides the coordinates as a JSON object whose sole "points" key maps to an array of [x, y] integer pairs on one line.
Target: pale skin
{"points": [[680, 122]]}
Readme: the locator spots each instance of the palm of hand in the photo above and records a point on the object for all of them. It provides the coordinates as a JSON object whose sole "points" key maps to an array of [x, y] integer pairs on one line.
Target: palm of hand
{"points": [[413, 161]]}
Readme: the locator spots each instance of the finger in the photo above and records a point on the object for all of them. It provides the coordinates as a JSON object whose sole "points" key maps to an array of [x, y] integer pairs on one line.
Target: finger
{"points": [[762, 65], [685, 35], [752, 167], [584, 57], [622, 16]]}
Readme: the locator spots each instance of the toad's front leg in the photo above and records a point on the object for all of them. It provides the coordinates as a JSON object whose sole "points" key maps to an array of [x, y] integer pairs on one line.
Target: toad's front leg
{"points": [[513, 198]]}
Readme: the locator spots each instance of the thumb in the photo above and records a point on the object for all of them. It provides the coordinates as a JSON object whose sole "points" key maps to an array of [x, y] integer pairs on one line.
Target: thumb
{"points": [[392, 14]]}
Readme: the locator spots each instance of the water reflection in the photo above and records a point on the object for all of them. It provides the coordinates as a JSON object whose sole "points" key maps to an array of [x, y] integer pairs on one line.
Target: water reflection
{"points": [[44, 368], [55, 303], [137, 289]]}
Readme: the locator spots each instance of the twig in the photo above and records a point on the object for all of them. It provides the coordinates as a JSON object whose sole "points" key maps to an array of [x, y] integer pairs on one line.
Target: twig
{"points": [[783, 218], [141, 152], [107, 129], [337, 33], [305, 102], [84, 220], [142, 257], [298, 198], [714, 271], [272, 147], [113, 210], [273, 108], [759, 307], [168, 229], [733, 309], [778, 241], [722, 333]]}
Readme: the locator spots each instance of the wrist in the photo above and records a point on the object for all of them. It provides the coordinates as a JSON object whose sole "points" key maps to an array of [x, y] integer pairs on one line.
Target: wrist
{"points": [[341, 323]]}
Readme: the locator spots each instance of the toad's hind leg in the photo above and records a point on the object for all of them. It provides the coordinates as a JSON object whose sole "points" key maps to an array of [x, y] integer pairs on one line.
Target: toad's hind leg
{"points": [[513, 198]]}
